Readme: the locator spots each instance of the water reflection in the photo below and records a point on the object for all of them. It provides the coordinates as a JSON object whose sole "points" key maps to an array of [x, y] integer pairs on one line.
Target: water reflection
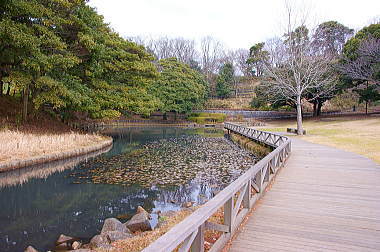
{"points": [[38, 204], [21, 176]]}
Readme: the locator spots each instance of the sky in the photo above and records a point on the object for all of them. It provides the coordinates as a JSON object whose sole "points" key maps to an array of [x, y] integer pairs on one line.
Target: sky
{"points": [[236, 23]]}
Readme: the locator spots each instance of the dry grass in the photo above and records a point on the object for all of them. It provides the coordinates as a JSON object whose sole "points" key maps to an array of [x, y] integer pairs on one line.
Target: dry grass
{"points": [[141, 241], [17, 145], [360, 135]]}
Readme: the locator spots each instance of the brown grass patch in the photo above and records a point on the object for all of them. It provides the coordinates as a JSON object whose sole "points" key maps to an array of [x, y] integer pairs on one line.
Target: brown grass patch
{"points": [[17, 145], [358, 134], [141, 241]]}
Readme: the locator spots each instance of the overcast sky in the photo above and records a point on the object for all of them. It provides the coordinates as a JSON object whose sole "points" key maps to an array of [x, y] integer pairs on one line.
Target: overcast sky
{"points": [[236, 23]]}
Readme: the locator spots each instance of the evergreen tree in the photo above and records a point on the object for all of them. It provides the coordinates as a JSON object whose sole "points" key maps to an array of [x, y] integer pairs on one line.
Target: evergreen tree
{"points": [[225, 81]]}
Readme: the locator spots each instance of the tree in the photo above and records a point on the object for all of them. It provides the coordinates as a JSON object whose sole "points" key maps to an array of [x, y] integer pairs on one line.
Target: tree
{"points": [[61, 53], [225, 81], [179, 88], [298, 70], [241, 62], [330, 37], [361, 63], [211, 55], [257, 58], [32, 49]]}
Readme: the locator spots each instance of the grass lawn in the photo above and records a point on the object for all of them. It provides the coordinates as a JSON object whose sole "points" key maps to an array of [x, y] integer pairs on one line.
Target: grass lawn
{"points": [[357, 134]]}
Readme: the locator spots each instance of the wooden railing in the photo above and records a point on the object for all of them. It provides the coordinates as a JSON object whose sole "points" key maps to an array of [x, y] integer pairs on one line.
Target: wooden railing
{"points": [[236, 199]]}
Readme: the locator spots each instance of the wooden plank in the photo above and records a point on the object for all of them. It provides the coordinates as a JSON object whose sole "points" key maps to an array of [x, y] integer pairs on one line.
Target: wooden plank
{"points": [[325, 199]]}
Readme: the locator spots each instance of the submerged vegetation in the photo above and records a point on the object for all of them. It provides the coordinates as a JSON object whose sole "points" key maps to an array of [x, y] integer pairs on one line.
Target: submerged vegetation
{"points": [[172, 162]]}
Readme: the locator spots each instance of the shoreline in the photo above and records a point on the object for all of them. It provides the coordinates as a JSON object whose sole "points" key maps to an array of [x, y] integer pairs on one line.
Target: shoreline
{"points": [[42, 159]]}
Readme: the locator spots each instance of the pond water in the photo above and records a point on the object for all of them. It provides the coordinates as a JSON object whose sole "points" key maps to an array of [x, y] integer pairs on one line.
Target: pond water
{"points": [[156, 168]]}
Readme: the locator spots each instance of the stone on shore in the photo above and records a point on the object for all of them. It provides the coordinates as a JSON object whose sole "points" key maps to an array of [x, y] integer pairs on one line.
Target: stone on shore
{"points": [[140, 221], [99, 240], [113, 224], [117, 235], [30, 249], [76, 245], [64, 239]]}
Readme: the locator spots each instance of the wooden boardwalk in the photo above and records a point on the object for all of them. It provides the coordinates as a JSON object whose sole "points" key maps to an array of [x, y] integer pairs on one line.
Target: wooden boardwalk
{"points": [[324, 199]]}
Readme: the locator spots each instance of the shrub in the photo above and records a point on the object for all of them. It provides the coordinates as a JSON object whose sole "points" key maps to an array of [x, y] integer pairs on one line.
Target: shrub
{"points": [[204, 118]]}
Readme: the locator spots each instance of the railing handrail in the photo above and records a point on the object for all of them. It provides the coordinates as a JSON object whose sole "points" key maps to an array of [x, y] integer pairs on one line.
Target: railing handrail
{"points": [[190, 232]]}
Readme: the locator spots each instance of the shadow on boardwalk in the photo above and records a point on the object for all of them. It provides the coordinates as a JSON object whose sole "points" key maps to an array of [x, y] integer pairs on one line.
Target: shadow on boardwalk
{"points": [[324, 199]]}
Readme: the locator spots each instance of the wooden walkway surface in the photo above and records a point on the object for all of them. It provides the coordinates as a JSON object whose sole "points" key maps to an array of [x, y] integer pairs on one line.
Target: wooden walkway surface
{"points": [[324, 199]]}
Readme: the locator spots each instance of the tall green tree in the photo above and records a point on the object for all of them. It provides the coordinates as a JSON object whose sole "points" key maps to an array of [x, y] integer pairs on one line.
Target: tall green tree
{"points": [[361, 63], [179, 88], [257, 58], [62, 54], [330, 37], [225, 81], [32, 49]]}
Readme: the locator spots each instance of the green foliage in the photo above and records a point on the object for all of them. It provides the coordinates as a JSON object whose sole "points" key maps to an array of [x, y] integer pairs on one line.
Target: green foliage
{"points": [[266, 100], [330, 37], [225, 81], [350, 49], [204, 118], [178, 87], [257, 57], [70, 59], [361, 65]]}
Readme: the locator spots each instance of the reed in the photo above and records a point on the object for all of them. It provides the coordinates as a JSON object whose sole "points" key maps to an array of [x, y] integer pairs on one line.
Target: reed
{"points": [[17, 145]]}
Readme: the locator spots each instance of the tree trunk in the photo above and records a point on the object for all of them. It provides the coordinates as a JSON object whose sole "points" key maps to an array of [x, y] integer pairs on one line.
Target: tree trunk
{"points": [[319, 108], [25, 104], [366, 107], [299, 116], [175, 116], [9, 89], [314, 108], [1, 87], [165, 116]]}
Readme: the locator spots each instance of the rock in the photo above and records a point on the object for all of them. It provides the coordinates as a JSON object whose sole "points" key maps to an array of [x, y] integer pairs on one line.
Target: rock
{"points": [[30, 249], [117, 235], [112, 224], [139, 222], [64, 239], [76, 245], [98, 240], [141, 210]]}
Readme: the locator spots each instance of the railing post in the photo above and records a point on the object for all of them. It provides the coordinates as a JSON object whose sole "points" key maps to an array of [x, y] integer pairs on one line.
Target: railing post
{"points": [[199, 241], [228, 218], [247, 195]]}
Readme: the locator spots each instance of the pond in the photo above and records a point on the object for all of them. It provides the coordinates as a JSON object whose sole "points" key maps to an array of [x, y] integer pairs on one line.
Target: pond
{"points": [[156, 168]]}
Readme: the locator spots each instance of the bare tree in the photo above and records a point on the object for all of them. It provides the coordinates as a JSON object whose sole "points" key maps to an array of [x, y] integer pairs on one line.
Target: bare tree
{"points": [[365, 66], [183, 49], [298, 70], [211, 56], [240, 59]]}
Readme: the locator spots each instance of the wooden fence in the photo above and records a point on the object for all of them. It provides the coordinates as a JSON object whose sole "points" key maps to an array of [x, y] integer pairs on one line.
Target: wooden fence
{"points": [[236, 199]]}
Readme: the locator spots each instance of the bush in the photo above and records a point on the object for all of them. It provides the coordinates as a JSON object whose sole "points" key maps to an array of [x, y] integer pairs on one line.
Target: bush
{"points": [[204, 118]]}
